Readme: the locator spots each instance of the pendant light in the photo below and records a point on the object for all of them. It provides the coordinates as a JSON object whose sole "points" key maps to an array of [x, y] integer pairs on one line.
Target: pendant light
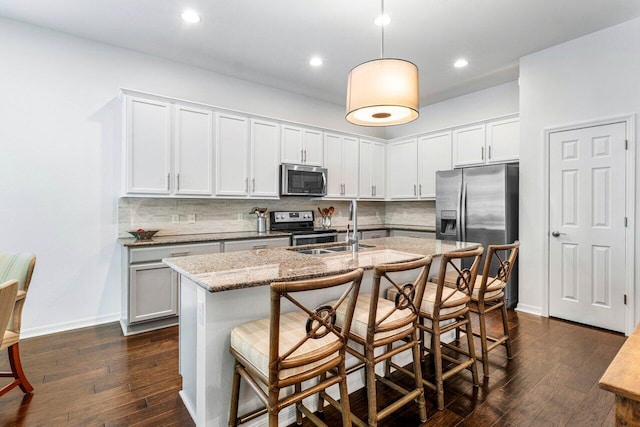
{"points": [[383, 92]]}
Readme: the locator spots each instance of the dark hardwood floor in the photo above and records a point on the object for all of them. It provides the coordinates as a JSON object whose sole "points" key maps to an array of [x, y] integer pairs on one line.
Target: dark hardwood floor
{"points": [[95, 376]]}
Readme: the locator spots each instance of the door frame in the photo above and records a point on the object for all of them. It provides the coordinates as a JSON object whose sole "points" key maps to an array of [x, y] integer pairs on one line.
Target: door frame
{"points": [[630, 163]]}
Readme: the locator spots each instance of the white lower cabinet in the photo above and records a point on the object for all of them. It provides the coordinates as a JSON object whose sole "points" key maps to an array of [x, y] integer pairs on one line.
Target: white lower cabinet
{"points": [[263, 243], [154, 292], [150, 288]]}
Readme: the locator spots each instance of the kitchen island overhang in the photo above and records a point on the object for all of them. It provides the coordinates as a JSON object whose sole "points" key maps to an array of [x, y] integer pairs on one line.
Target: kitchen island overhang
{"points": [[221, 291]]}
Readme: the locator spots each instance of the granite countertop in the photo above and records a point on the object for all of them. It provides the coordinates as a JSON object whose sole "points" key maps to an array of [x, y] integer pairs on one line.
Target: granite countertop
{"points": [[246, 269], [195, 238], [243, 235]]}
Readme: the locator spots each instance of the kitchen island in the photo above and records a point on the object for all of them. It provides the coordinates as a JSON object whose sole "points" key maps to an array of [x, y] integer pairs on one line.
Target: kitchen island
{"points": [[220, 291]]}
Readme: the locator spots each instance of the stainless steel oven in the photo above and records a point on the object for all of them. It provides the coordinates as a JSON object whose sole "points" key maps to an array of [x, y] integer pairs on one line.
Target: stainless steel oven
{"points": [[300, 225]]}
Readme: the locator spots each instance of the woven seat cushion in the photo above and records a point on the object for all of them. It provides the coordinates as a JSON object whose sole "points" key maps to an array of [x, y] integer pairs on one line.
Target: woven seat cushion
{"points": [[361, 317], [494, 286], [251, 340], [428, 300]]}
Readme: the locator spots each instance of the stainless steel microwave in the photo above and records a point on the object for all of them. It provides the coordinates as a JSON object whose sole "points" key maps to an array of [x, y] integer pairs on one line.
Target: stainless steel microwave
{"points": [[302, 180]]}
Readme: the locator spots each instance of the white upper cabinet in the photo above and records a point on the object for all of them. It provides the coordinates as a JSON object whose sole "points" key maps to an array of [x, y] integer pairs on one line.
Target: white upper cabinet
{"points": [[372, 170], [148, 146], [494, 142], [434, 154], [232, 154], [402, 169], [264, 158], [301, 146], [469, 146], [341, 161], [193, 151], [503, 140]]}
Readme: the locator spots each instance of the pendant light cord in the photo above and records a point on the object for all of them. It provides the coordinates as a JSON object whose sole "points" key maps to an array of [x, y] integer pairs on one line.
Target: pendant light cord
{"points": [[382, 31]]}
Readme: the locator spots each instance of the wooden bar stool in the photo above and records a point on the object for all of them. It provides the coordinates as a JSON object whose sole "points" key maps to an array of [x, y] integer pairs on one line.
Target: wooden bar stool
{"points": [[446, 309], [288, 348], [379, 323], [16, 267], [488, 295]]}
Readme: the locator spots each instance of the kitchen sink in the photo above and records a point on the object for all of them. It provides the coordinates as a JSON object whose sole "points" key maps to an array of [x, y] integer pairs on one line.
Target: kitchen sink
{"points": [[312, 251], [329, 250]]}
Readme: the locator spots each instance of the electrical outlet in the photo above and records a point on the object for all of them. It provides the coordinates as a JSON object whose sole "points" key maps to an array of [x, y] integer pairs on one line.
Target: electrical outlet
{"points": [[240, 216], [191, 218], [175, 219]]}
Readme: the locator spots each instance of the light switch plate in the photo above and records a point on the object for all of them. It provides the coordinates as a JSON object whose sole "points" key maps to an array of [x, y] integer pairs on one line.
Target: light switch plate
{"points": [[191, 218], [175, 219]]}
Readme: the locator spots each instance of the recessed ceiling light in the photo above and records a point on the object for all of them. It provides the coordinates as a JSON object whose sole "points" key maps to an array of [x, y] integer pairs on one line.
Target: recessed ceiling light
{"points": [[461, 63], [382, 20], [316, 61], [190, 16]]}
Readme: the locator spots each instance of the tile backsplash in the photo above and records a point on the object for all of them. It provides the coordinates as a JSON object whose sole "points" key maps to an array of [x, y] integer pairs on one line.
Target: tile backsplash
{"points": [[228, 215]]}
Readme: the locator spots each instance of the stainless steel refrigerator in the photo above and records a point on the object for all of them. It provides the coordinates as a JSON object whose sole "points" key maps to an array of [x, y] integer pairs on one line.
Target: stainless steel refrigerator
{"points": [[480, 204]]}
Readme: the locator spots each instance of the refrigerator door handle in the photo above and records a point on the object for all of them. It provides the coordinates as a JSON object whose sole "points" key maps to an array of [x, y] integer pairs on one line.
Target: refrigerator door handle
{"points": [[463, 213]]}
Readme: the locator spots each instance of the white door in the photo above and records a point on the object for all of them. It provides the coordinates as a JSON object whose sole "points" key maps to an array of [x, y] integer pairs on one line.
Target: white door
{"points": [[503, 141], [312, 147], [193, 151], [587, 225], [378, 170], [232, 154], [366, 186], [349, 167], [402, 164], [468, 146], [265, 158], [292, 151], [333, 163], [434, 154]]}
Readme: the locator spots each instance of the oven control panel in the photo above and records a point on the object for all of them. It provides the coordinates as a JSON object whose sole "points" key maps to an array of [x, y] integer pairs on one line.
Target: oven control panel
{"points": [[291, 216]]}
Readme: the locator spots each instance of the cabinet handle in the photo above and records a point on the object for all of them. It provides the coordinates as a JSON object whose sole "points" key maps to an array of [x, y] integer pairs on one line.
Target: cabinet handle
{"points": [[253, 185], [302, 156], [174, 254], [178, 182], [305, 156], [420, 189], [168, 181], [482, 155], [259, 246], [415, 190], [489, 152], [344, 189], [375, 190]]}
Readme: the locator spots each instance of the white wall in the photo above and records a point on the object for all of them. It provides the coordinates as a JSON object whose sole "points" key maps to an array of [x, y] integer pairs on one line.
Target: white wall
{"points": [[59, 155], [492, 102], [589, 78]]}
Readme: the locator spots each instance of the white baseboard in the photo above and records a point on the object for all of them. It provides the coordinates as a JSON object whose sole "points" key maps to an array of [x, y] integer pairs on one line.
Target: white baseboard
{"points": [[531, 309], [67, 326]]}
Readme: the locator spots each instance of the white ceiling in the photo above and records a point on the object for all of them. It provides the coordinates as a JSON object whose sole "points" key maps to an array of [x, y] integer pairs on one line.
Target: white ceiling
{"points": [[271, 42]]}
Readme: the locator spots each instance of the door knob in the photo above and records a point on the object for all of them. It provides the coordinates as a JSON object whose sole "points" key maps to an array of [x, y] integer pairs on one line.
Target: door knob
{"points": [[557, 233]]}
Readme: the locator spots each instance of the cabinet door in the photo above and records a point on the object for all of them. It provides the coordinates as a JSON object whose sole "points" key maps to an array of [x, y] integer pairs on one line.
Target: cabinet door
{"points": [[333, 163], [434, 154], [148, 145], [469, 146], [312, 147], [378, 170], [402, 164], [366, 186], [153, 292], [254, 244], [265, 158], [350, 167], [292, 151], [232, 153], [503, 141], [193, 151]]}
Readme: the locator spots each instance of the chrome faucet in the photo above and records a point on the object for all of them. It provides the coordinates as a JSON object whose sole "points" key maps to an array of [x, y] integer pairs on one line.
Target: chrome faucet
{"points": [[353, 216]]}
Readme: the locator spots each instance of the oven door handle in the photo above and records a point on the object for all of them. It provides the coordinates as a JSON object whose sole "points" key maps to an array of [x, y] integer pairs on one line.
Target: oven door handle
{"points": [[310, 236]]}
